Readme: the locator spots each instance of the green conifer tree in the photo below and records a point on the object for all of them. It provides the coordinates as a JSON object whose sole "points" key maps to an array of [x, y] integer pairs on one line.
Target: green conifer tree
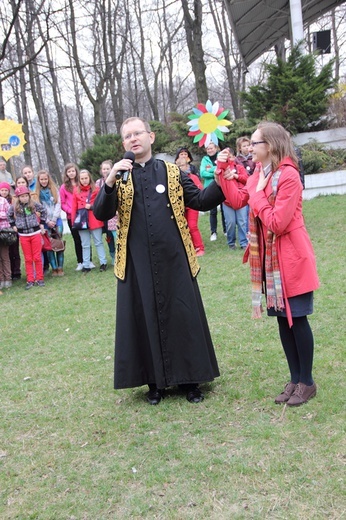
{"points": [[295, 94]]}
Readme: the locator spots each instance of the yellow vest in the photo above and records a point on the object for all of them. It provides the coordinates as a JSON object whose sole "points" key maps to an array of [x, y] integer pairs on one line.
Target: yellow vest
{"points": [[176, 198]]}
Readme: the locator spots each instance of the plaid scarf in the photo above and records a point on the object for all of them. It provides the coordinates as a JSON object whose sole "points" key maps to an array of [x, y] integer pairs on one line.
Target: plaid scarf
{"points": [[271, 267]]}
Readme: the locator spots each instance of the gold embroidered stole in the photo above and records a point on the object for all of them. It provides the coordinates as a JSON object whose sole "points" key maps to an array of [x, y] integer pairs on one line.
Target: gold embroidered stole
{"points": [[125, 202], [176, 197]]}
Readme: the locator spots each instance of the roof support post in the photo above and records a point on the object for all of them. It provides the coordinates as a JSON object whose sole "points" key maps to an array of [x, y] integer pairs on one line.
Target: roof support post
{"points": [[297, 23]]}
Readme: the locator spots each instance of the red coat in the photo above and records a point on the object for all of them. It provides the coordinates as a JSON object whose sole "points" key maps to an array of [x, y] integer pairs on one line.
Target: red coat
{"points": [[79, 200], [196, 180], [295, 252], [232, 165]]}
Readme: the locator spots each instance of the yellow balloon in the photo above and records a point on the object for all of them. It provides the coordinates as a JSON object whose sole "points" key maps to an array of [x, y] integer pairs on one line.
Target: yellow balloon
{"points": [[12, 138]]}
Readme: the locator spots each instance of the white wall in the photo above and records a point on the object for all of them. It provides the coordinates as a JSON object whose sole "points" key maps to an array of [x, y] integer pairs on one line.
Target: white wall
{"points": [[335, 138], [329, 183]]}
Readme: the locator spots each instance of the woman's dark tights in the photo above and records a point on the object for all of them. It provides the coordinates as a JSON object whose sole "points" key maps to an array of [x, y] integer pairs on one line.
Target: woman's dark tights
{"points": [[298, 345]]}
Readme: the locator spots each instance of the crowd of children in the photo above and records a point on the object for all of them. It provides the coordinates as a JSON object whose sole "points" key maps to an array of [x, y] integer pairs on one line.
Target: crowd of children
{"points": [[30, 217]]}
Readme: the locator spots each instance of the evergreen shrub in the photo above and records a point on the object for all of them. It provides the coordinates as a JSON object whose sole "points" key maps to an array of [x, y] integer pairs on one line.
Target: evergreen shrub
{"points": [[317, 158]]}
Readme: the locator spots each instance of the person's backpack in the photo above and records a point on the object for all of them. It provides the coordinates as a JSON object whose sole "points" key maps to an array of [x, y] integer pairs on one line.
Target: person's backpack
{"points": [[300, 165]]}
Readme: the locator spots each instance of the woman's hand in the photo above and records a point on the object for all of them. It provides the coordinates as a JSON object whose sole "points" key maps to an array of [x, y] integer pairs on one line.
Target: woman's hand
{"points": [[262, 180], [87, 206]]}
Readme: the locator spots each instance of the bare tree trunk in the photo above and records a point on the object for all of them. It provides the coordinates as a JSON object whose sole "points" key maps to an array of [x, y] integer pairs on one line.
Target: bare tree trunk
{"points": [[80, 116], [8, 26], [20, 92], [133, 93], [100, 83], [36, 140], [193, 30], [73, 151], [38, 98], [223, 34], [62, 134], [17, 62], [280, 49], [152, 98], [167, 53], [2, 105], [116, 77]]}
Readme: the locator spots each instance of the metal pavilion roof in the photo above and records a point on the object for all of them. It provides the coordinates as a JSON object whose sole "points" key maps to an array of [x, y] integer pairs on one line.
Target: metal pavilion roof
{"points": [[259, 24]]}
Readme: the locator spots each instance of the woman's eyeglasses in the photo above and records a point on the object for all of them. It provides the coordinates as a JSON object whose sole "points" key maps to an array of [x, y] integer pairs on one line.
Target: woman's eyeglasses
{"points": [[253, 143]]}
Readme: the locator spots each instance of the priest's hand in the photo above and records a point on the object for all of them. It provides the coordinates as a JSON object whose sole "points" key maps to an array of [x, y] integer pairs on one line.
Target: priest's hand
{"points": [[122, 166]]}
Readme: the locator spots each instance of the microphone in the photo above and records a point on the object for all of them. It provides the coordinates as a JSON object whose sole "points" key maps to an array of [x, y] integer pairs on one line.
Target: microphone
{"points": [[122, 174]]}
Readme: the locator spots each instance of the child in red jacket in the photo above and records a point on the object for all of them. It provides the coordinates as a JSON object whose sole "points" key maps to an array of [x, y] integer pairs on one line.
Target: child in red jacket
{"points": [[84, 195], [183, 159], [235, 217]]}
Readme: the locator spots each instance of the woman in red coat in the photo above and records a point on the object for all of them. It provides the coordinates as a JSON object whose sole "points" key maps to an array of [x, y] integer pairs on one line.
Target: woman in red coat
{"points": [[84, 195], [282, 260]]}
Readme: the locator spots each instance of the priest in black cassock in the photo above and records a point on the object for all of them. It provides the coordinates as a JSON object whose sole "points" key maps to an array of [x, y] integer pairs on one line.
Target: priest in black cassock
{"points": [[162, 336]]}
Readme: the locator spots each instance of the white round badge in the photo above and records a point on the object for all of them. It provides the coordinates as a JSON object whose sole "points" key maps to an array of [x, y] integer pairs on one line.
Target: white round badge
{"points": [[160, 188]]}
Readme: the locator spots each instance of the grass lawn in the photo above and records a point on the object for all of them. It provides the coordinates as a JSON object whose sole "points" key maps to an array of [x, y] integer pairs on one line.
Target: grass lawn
{"points": [[73, 448]]}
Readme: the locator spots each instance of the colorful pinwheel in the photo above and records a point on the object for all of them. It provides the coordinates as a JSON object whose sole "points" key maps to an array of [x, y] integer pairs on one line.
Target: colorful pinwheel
{"points": [[208, 124]]}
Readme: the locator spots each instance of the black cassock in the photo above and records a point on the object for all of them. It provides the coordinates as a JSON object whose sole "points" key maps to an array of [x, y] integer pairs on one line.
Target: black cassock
{"points": [[162, 335]]}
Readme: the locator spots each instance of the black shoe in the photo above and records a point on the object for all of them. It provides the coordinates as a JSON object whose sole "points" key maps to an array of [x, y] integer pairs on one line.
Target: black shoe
{"points": [[154, 396], [86, 270], [103, 267], [194, 395]]}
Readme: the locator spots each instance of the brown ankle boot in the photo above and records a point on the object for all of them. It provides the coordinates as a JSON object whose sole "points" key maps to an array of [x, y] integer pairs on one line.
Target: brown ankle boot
{"points": [[54, 272], [302, 393], [60, 271], [286, 394]]}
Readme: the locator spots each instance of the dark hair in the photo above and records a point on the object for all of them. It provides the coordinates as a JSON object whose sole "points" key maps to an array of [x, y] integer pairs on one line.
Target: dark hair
{"points": [[66, 179], [21, 177], [183, 149]]}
